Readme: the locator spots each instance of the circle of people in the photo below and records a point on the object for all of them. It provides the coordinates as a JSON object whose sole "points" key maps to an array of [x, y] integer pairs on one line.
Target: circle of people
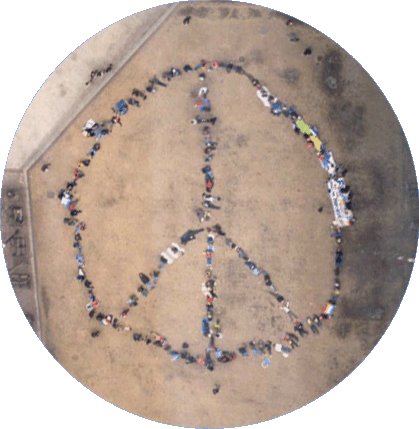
{"points": [[339, 191]]}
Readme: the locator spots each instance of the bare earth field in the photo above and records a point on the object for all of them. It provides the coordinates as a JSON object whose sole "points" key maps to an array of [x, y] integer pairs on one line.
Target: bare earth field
{"points": [[140, 192]]}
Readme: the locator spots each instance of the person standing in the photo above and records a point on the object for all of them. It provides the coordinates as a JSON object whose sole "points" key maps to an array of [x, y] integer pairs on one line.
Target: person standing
{"points": [[216, 389], [291, 341]]}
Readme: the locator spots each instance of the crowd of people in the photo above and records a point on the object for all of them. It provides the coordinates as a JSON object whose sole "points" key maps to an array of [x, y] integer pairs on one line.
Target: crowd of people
{"points": [[340, 193]]}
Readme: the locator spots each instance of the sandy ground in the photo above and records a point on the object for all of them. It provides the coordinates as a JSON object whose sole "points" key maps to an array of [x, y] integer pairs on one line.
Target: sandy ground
{"points": [[135, 212]]}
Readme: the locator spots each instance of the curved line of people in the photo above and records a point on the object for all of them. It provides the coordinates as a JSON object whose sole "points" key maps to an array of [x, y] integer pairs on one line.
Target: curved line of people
{"points": [[93, 129]]}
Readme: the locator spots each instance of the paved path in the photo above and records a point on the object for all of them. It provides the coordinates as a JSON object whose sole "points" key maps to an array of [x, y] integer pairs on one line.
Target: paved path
{"points": [[64, 94]]}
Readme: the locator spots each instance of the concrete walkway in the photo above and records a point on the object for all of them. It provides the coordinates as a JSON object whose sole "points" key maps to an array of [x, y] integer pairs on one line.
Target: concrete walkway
{"points": [[45, 120]]}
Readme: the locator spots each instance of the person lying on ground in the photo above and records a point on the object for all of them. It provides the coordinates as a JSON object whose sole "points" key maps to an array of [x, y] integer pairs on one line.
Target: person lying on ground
{"points": [[84, 163], [229, 242], [207, 170], [268, 348], [208, 158], [290, 341], [338, 259], [243, 351], [156, 81], [94, 150], [210, 198], [142, 290], [209, 205], [208, 362], [205, 290], [338, 236], [253, 267], [137, 337], [209, 149], [155, 275], [190, 235], [45, 167], [295, 128], [158, 337], [146, 280], [298, 327], [203, 215], [217, 229], [317, 321], [163, 261], [174, 354], [206, 332], [167, 75], [133, 102], [210, 311], [80, 227], [242, 254], [175, 72], [107, 320], [137, 93], [150, 88], [209, 183], [124, 313], [175, 251], [78, 246], [200, 120], [201, 66], [285, 307], [255, 350], [341, 170], [238, 69], [70, 185], [282, 349], [78, 174], [81, 276], [190, 359], [132, 301], [147, 340], [218, 333], [100, 317], [293, 336], [266, 278], [116, 120], [206, 132], [312, 325], [278, 297]]}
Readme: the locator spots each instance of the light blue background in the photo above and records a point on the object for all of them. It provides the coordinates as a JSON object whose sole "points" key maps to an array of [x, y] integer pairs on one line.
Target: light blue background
{"points": [[36, 37]]}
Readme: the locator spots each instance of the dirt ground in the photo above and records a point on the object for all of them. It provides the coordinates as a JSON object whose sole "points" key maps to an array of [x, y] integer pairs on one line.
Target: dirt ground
{"points": [[142, 187]]}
